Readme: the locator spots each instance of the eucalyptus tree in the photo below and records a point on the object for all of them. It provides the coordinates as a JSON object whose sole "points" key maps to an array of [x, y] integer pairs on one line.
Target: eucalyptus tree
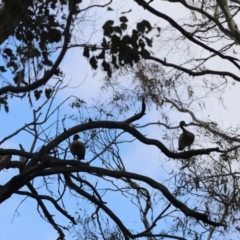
{"points": [[177, 64]]}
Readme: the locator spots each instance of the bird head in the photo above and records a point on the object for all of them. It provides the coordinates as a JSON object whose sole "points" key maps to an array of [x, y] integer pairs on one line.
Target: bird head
{"points": [[76, 137], [182, 123]]}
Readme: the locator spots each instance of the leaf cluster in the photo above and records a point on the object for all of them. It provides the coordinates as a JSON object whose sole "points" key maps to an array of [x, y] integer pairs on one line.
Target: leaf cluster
{"points": [[119, 48]]}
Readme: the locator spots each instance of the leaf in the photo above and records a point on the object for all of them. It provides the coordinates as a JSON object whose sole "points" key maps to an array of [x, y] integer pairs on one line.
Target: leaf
{"points": [[86, 52], [47, 62], [107, 68], [107, 24], [101, 55], [3, 101], [58, 72], [94, 47], [104, 43], [141, 44], [30, 36], [128, 11], [117, 30], [123, 26], [123, 19], [144, 26], [6, 108], [2, 69], [149, 41], [134, 38], [114, 62], [48, 93], [93, 62], [37, 94], [107, 27], [13, 65], [115, 44], [126, 40], [33, 52], [8, 52], [54, 35]]}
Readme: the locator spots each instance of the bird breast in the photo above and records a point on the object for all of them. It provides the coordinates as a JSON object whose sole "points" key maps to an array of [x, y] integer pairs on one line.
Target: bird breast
{"points": [[186, 139], [77, 148]]}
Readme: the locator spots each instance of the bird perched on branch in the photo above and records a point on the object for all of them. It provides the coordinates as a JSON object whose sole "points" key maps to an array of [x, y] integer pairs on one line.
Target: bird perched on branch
{"points": [[186, 139], [77, 148]]}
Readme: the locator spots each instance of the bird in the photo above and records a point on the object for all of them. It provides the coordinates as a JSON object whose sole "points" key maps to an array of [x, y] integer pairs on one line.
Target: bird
{"points": [[186, 139], [77, 148]]}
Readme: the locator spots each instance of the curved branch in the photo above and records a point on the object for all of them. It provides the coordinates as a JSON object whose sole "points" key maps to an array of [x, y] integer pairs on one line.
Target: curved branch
{"points": [[203, 124], [184, 32], [53, 201], [49, 74], [46, 212], [131, 130], [80, 167], [18, 181], [80, 180], [15, 152], [100, 204], [118, 125], [138, 115], [57, 167], [195, 74]]}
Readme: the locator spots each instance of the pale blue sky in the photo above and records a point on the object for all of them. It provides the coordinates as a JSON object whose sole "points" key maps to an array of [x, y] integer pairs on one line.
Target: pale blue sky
{"points": [[137, 157]]}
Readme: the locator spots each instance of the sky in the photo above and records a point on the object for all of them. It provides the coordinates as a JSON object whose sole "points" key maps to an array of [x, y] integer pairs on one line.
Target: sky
{"points": [[21, 220], [24, 223]]}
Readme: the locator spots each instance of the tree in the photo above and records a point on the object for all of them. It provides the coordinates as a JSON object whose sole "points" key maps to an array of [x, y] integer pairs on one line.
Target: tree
{"points": [[171, 67]]}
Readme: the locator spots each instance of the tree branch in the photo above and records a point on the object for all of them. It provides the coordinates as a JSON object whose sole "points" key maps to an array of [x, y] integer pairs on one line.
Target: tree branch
{"points": [[194, 73], [46, 212], [100, 204], [80, 167], [53, 201], [185, 33], [49, 74]]}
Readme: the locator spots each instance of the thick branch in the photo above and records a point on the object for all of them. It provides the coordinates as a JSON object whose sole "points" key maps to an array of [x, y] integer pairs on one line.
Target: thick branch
{"points": [[79, 167], [119, 125], [49, 74], [15, 152], [131, 130], [58, 167], [18, 182]]}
